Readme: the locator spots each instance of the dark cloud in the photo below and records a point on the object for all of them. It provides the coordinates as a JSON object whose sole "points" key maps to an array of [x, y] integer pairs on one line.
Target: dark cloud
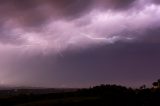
{"points": [[37, 12], [118, 63], [156, 1], [72, 8], [22, 11], [23, 5], [32, 13], [116, 4]]}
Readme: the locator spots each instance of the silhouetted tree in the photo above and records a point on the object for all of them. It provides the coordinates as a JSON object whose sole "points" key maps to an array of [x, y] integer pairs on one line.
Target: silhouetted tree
{"points": [[143, 87], [156, 84]]}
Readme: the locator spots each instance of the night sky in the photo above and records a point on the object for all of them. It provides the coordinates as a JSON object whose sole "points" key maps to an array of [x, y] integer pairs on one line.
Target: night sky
{"points": [[79, 43]]}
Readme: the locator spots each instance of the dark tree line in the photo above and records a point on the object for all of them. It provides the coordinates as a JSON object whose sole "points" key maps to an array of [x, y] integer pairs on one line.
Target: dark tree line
{"points": [[103, 95]]}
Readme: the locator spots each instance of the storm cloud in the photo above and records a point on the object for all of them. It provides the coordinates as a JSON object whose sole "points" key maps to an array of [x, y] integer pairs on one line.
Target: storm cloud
{"points": [[78, 43]]}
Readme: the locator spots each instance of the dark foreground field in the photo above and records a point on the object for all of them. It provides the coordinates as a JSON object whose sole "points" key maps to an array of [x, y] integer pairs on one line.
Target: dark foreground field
{"points": [[104, 95]]}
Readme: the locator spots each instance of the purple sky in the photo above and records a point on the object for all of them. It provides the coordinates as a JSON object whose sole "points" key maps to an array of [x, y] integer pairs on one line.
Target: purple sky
{"points": [[79, 43]]}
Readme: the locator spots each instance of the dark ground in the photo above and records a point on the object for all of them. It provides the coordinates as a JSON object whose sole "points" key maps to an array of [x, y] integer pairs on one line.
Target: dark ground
{"points": [[104, 95]]}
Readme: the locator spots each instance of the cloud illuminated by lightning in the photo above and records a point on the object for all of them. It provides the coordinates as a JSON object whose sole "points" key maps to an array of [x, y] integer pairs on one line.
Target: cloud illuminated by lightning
{"points": [[97, 26]]}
